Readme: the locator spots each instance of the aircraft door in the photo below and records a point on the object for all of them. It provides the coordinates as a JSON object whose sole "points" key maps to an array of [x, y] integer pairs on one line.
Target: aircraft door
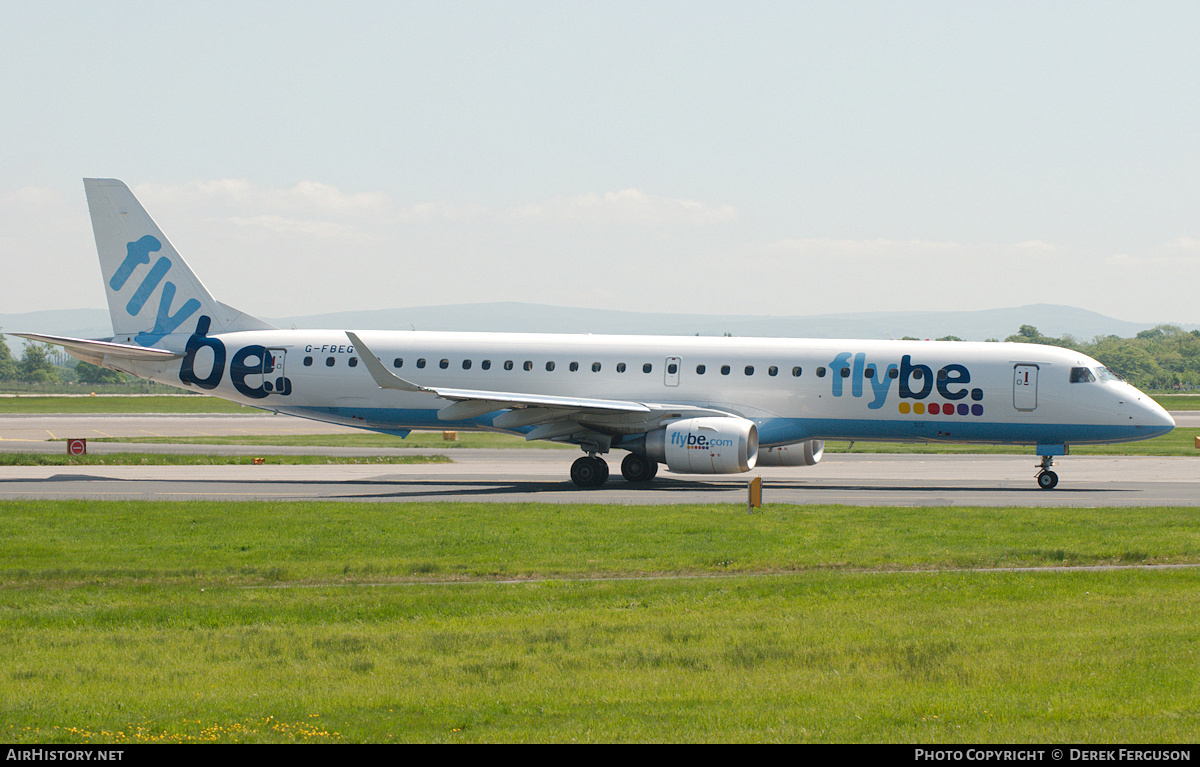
{"points": [[271, 375], [671, 371], [1025, 387], [279, 381]]}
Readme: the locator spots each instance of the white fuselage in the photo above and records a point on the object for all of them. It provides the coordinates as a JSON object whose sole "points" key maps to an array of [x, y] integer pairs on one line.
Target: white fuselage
{"points": [[792, 389]]}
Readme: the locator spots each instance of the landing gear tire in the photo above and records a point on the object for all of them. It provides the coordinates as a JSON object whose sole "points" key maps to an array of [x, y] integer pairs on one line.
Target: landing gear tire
{"points": [[638, 468], [1047, 480], [589, 471]]}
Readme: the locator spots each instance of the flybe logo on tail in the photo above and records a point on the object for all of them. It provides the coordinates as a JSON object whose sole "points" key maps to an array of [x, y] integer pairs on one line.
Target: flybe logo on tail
{"points": [[913, 382], [137, 254]]}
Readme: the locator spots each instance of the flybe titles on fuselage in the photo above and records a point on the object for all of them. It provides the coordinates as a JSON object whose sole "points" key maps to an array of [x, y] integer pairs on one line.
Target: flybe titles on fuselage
{"points": [[248, 368], [949, 387]]}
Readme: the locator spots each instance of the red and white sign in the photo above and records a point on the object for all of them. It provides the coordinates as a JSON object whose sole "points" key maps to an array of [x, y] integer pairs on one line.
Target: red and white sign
{"points": [[77, 446]]}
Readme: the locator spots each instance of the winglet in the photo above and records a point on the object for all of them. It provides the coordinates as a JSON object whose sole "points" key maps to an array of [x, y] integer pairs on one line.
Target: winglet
{"points": [[384, 378]]}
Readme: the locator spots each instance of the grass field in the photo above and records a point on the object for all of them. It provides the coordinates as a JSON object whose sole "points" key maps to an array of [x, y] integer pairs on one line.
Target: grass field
{"points": [[363, 439], [1178, 401], [315, 622], [119, 404], [1179, 442]]}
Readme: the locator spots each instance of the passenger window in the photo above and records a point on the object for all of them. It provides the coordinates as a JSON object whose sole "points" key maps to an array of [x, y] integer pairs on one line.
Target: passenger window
{"points": [[620, 367], [466, 364], [421, 362], [444, 364], [329, 362], [595, 367], [397, 363], [749, 370], [508, 364], [486, 364], [647, 367], [870, 371], [820, 372], [845, 372], [724, 370], [354, 362], [574, 367], [549, 366], [308, 362], [796, 372], [893, 373], [672, 368], [772, 371], [700, 370], [528, 365]]}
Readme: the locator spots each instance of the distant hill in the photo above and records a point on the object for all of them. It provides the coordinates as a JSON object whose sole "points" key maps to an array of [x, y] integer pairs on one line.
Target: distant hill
{"points": [[980, 325], [518, 317]]}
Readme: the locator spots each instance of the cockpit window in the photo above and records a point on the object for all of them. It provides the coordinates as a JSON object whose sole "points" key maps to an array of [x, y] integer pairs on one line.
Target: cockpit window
{"points": [[1107, 375], [1082, 375]]}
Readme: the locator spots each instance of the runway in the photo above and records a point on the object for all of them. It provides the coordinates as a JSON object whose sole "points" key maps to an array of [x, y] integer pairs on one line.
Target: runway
{"points": [[518, 475]]}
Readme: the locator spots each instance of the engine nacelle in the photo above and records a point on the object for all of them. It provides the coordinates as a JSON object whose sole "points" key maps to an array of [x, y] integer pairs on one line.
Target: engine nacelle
{"points": [[711, 445], [806, 453]]}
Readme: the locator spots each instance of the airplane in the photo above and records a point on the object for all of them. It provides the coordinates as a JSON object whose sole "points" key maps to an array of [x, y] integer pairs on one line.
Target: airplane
{"points": [[698, 405]]}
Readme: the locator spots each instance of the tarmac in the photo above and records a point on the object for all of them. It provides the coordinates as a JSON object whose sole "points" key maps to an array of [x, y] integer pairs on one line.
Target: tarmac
{"points": [[521, 475]]}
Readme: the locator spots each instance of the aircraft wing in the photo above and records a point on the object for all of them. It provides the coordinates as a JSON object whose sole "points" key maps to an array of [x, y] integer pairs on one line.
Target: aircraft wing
{"points": [[95, 351], [553, 417]]}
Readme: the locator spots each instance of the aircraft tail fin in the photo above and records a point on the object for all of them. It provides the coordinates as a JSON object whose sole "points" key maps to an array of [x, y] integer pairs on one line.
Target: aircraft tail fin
{"points": [[152, 293]]}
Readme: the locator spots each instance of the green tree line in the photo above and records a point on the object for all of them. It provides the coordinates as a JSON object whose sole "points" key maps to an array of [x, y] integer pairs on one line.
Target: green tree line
{"points": [[34, 367]]}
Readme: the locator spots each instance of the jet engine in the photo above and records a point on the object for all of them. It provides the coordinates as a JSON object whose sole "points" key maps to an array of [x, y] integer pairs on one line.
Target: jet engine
{"points": [[806, 453], [710, 445]]}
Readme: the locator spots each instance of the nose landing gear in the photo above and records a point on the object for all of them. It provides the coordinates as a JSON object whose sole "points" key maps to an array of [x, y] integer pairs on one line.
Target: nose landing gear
{"points": [[1046, 479]]}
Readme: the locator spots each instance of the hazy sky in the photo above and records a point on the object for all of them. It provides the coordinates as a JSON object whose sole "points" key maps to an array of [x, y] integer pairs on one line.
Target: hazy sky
{"points": [[693, 157]]}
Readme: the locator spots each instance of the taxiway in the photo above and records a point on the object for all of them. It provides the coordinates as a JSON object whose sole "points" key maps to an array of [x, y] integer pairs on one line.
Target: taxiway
{"points": [[520, 475]]}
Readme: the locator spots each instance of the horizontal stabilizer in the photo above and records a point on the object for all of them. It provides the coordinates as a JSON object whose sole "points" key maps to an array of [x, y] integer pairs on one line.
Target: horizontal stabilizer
{"points": [[96, 351]]}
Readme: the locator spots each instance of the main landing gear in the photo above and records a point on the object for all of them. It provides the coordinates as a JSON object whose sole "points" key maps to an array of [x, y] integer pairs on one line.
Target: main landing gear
{"points": [[638, 468], [589, 471], [592, 471], [1046, 479]]}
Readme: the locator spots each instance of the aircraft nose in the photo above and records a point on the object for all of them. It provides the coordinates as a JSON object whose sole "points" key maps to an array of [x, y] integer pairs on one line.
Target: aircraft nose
{"points": [[1153, 416]]}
